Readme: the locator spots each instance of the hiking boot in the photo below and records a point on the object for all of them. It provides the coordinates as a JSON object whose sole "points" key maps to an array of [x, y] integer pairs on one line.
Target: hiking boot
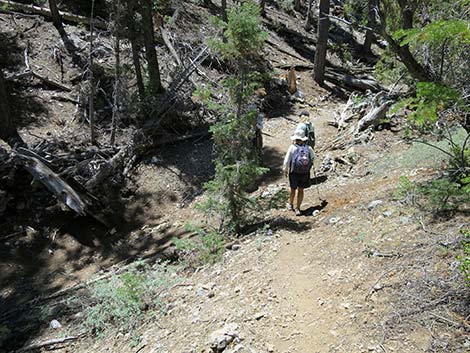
{"points": [[297, 212], [289, 206]]}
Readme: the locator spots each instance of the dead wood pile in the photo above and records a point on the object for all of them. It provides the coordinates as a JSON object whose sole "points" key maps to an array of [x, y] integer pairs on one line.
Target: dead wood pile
{"points": [[360, 117]]}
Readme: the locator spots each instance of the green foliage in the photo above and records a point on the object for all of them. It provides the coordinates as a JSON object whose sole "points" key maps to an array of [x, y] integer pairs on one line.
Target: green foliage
{"points": [[356, 11], [389, 70], [430, 100], [276, 200], [236, 162], [436, 33], [208, 248], [464, 259], [437, 195], [344, 53], [119, 303], [444, 194], [243, 36], [405, 191], [226, 192]]}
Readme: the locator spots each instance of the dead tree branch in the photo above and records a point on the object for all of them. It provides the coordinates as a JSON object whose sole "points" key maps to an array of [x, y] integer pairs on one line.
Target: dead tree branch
{"points": [[6, 6]]}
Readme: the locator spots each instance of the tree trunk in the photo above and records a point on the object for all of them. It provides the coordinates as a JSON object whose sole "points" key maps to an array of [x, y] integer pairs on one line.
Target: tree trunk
{"points": [[297, 5], [371, 23], [149, 43], [138, 69], [92, 80], [7, 127], [322, 42], [135, 47], [56, 19], [308, 19], [224, 11], [407, 12], [262, 5], [117, 73], [415, 69]]}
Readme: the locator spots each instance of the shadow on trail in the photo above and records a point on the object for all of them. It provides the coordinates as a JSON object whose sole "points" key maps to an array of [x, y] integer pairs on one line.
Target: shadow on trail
{"points": [[318, 179], [309, 211], [276, 224], [272, 159]]}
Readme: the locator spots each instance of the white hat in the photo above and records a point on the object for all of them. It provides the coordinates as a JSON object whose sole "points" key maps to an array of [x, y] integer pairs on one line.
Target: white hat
{"points": [[299, 134]]}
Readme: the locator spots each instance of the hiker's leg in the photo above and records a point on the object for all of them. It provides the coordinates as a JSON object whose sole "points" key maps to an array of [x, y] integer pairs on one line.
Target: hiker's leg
{"points": [[291, 197], [300, 197]]}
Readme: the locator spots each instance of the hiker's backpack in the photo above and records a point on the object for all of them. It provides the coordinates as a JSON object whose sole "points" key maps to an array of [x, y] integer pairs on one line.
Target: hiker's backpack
{"points": [[309, 132], [301, 160]]}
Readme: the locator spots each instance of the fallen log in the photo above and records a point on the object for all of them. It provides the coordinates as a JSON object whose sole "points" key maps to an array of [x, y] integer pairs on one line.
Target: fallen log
{"points": [[349, 81], [374, 117], [284, 51], [295, 66], [7, 6], [52, 182], [47, 343]]}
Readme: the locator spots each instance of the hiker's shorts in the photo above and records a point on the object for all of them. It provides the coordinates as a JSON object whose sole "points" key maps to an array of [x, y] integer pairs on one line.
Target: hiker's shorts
{"points": [[297, 180]]}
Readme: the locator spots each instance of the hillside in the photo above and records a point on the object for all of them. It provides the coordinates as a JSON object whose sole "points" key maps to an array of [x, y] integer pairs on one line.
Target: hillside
{"points": [[371, 265]]}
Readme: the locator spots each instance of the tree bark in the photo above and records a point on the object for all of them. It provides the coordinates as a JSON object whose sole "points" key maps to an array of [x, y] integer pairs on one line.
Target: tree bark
{"points": [[371, 23], [224, 10], [91, 106], [262, 5], [7, 126], [56, 19], [133, 34], [117, 72], [149, 43], [320, 50], [308, 19], [297, 5], [138, 69]]}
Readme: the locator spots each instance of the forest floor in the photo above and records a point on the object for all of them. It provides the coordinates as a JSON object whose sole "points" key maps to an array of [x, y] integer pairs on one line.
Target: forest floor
{"points": [[361, 272]]}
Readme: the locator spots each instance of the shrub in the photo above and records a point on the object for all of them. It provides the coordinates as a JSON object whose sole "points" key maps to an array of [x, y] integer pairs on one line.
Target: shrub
{"points": [[464, 259], [206, 249], [120, 302]]}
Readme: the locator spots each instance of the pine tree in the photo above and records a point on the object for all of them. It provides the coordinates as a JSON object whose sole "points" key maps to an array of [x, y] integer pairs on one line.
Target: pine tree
{"points": [[235, 163]]}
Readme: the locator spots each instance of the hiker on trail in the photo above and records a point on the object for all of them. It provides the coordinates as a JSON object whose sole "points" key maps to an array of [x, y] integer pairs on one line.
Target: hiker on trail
{"points": [[306, 125], [297, 164]]}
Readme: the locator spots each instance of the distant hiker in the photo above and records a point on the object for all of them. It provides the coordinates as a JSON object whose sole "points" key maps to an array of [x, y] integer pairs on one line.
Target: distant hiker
{"points": [[297, 164], [306, 125]]}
